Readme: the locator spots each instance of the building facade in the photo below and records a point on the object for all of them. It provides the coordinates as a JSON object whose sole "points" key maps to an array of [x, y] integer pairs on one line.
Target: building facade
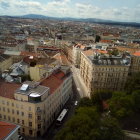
{"points": [[135, 63], [35, 105], [103, 72]]}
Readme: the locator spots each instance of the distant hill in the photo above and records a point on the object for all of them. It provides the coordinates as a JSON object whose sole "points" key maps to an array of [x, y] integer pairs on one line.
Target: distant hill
{"points": [[91, 20], [34, 16]]}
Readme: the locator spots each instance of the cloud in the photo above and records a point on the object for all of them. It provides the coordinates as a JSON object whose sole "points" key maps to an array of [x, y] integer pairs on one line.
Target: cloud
{"points": [[67, 8]]}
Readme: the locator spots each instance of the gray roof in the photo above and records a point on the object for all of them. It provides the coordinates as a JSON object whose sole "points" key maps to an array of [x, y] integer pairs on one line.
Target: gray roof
{"points": [[33, 87], [3, 57], [12, 52]]}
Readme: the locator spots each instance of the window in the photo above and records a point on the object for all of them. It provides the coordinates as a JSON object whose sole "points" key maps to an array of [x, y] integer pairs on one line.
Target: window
{"points": [[30, 132], [4, 117], [30, 115], [8, 110], [12, 104], [17, 112], [18, 121], [22, 113], [38, 108], [7, 103], [0, 116], [13, 119], [4, 109], [22, 121], [12, 111], [30, 123], [39, 126], [9, 118], [38, 117], [23, 130], [29, 108]]}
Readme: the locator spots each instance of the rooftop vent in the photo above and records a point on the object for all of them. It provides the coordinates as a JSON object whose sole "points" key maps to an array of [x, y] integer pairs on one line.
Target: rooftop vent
{"points": [[31, 57], [24, 87]]}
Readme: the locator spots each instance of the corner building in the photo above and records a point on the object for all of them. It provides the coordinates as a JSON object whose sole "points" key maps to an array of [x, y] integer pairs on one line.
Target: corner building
{"points": [[101, 72], [34, 105]]}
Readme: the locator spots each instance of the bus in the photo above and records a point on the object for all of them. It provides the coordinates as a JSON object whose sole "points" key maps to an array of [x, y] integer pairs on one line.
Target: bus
{"points": [[61, 117]]}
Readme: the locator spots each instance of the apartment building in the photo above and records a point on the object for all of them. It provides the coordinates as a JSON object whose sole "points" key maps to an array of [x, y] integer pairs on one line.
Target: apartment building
{"points": [[5, 62], [43, 68], [103, 72], [8, 131], [77, 54], [35, 105], [135, 62]]}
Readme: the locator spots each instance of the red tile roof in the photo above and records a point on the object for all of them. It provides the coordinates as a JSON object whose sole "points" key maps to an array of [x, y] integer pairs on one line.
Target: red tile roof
{"points": [[49, 48], [106, 41], [8, 89], [54, 81], [6, 129], [102, 51], [88, 52], [24, 53], [62, 58], [137, 53]]}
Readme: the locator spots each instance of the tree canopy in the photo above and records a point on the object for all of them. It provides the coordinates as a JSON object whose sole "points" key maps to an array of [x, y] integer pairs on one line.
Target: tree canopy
{"points": [[88, 125], [133, 83]]}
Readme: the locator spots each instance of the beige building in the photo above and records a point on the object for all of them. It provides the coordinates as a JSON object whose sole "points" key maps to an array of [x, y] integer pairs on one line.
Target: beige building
{"points": [[135, 62], [43, 68], [102, 72], [76, 54], [35, 105], [5, 62]]}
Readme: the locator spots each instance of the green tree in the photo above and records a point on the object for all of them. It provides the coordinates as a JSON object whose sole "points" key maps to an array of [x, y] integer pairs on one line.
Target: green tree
{"points": [[97, 38], [85, 102], [80, 126], [136, 97], [87, 124], [133, 83], [25, 77], [110, 129], [121, 105]]}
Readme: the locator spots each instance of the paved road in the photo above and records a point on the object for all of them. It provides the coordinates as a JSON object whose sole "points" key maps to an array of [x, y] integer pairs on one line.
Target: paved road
{"points": [[79, 82], [132, 135]]}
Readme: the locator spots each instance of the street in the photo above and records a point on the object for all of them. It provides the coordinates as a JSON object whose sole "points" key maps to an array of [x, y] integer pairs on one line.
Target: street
{"points": [[81, 88]]}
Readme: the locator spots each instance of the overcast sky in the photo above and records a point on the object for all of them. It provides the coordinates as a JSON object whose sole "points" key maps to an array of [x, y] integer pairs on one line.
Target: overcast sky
{"points": [[119, 10]]}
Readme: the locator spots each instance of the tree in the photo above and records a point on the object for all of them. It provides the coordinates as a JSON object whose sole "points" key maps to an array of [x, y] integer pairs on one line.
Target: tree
{"points": [[97, 38], [87, 124], [121, 105], [136, 97], [133, 83], [25, 77], [110, 129], [85, 102], [81, 126], [98, 98]]}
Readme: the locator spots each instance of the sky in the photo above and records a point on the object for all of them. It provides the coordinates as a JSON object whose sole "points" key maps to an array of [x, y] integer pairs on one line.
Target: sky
{"points": [[118, 10]]}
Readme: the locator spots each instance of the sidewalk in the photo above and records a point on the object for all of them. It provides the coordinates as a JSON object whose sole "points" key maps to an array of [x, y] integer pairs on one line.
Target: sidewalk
{"points": [[82, 87]]}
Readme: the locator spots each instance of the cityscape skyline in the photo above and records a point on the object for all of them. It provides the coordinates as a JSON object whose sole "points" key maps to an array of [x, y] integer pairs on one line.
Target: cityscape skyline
{"points": [[103, 9]]}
